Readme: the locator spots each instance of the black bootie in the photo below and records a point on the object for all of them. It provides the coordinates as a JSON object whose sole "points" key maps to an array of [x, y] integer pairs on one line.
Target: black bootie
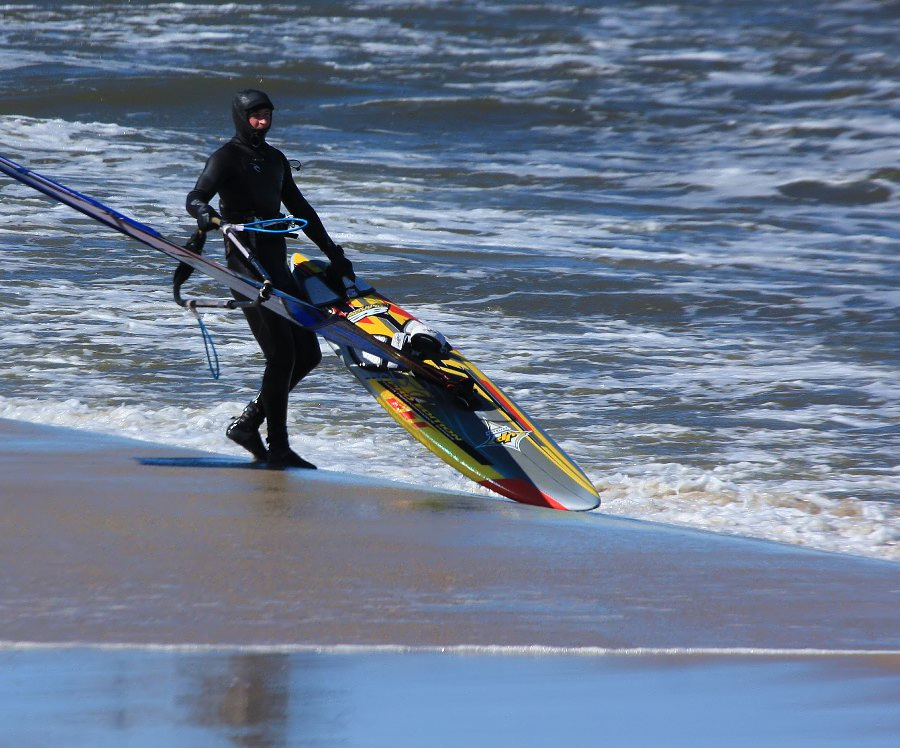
{"points": [[288, 458], [244, 430], [281, 455]]}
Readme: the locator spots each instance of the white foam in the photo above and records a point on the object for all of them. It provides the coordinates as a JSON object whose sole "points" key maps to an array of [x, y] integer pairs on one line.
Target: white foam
{"points": [[723, 502]]}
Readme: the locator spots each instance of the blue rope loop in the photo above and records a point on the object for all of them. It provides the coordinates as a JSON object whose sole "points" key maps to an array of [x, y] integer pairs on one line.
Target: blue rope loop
{"points": [[265, 226], [212, 357]]}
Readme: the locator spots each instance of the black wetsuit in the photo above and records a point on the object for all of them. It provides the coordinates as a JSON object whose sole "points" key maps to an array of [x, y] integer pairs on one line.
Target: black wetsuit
{"points": [[253, 179]]}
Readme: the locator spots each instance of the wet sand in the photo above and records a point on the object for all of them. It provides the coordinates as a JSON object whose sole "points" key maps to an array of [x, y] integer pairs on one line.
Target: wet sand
{"points": [[222, 594]]}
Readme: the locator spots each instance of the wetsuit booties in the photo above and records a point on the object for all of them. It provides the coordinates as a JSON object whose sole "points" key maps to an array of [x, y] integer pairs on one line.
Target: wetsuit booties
{"points": [[288, 458], [244, 430], [281, 455]]}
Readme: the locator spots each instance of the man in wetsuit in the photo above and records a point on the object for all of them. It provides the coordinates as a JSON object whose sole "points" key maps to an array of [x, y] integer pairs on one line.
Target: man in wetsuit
{"points": [[253, 179]]}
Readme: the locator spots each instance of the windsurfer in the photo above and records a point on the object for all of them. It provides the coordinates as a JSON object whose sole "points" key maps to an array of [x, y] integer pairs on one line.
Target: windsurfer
{"points": [[253, 179]]}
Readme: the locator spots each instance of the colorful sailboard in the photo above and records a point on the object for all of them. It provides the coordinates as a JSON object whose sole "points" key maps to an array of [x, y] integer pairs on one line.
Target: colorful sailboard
{"points": [[460, 415], [424, 383]]}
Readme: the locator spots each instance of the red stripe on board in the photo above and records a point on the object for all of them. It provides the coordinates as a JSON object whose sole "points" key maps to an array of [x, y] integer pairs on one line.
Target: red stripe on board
{"points": [[522, 491]]}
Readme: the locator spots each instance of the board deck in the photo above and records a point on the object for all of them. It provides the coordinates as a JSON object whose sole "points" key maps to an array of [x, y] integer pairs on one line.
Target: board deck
{"points": [[460, 415]]}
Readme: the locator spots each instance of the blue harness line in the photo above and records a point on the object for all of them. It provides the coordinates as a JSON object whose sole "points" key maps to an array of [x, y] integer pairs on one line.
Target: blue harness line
{"points": [[212, 356], [288, 225]]}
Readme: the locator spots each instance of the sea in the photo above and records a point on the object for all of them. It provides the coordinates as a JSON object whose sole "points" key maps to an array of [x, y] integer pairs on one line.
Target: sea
{"points": [[667, 229]]}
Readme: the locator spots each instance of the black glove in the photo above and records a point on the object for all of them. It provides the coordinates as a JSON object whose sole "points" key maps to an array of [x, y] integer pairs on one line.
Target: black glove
{"points": [[340, 266], [208, 220], [338, 269]]}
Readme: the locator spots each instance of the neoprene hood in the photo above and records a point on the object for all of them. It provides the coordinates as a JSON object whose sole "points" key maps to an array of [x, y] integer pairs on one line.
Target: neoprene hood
{"points": [[243, 103]]}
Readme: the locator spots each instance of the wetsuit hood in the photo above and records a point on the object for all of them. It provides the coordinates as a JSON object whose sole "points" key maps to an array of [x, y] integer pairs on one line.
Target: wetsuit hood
{"points": [[243, 103]]}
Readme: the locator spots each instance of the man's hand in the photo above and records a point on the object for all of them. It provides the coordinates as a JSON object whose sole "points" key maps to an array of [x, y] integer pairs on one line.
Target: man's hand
{"points": [[340, 267], [208, 220], [337, 270]]}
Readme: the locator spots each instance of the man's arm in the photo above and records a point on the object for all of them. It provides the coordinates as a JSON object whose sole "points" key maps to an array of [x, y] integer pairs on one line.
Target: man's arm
{"points": [[197, 201]]}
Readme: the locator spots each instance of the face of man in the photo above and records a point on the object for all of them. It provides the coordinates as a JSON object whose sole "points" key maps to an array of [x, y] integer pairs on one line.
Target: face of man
{"points": [[261, 119]]}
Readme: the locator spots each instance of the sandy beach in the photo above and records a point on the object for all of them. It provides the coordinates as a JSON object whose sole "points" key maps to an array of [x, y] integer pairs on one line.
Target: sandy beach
{"points": [[212, 603]]}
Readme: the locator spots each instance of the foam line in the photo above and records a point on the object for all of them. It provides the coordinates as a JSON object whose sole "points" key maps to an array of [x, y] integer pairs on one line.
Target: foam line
{"points": [[530, 650]]}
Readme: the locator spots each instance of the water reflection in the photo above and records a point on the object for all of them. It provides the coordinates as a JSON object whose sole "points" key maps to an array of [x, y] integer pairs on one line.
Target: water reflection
{"points": [[259, 699], [244, 696]]}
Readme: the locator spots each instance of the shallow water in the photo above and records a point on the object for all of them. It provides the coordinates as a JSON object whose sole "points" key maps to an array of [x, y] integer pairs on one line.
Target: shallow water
{"points": [[667, 231], [375, 698]]}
